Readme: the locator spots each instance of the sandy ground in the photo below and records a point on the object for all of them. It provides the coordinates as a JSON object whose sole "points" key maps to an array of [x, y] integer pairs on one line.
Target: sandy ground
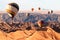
{"points": [[50, 34]]}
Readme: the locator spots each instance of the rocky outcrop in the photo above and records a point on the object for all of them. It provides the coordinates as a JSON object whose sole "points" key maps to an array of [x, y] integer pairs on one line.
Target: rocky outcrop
{"points": [[49, 34]]}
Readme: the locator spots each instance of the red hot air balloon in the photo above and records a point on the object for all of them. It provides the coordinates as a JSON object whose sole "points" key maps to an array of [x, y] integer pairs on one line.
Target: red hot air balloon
{"points": [[32, 9], [39, 8], [51, 11]]}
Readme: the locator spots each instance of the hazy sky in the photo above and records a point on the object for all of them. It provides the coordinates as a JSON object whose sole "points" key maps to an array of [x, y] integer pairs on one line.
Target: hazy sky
{"points": [[28, 4]]}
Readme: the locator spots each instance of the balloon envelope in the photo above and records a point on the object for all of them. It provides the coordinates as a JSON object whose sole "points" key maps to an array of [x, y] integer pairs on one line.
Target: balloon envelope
{"points": [[12, 8]]}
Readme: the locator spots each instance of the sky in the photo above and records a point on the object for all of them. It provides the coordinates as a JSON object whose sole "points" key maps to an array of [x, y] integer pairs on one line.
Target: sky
{"points": [[28, 4]]}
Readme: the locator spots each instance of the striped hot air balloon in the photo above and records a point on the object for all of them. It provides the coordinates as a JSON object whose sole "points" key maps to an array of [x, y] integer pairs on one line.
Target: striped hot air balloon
{"points": [[12, 9]]}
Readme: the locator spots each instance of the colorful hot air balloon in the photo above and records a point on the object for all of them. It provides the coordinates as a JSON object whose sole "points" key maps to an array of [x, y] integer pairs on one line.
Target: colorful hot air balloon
{"points": [[12, 9]]}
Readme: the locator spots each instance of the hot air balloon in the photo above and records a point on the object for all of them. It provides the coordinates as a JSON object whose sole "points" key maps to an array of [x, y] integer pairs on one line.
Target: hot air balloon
{"points": [[27, 14], [48, 12], [51, 11], [39, 8], [12, 9], [32, 9]]}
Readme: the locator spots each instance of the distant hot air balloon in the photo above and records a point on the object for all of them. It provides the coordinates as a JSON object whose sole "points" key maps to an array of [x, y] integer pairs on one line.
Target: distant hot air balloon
{"points": [[39, 8], [40, 23], [48, 12], [12, 9], [51, 11], [27, 14], [32, 9]]}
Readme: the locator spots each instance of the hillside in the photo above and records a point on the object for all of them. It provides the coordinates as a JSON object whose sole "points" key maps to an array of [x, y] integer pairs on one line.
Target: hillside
{"points": [[50, 34], [27, 27]]}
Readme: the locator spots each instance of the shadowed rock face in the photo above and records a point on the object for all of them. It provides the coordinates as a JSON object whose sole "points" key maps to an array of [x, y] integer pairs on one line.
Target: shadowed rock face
{"points": [[55, 26], [29, 26]]}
